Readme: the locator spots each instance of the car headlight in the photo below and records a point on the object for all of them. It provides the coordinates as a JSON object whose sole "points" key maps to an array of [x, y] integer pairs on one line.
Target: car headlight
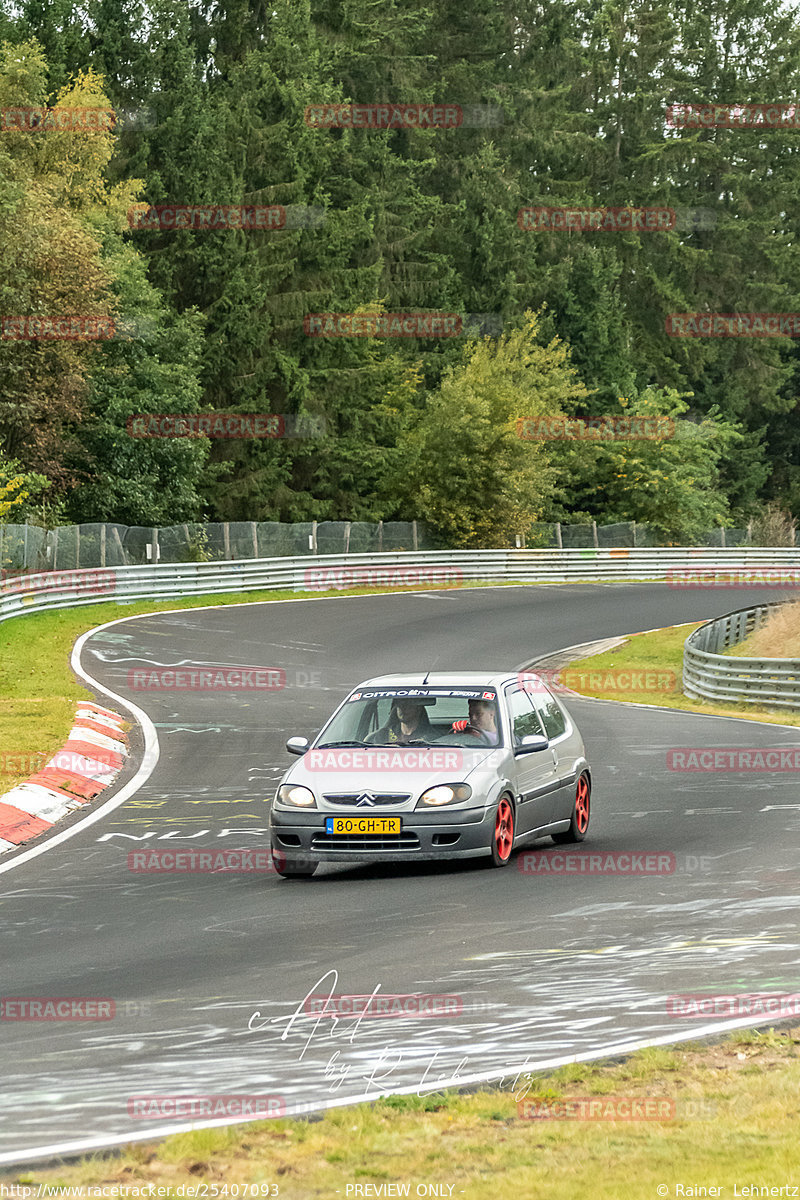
{"points": [[295, 796], [445, 793]]}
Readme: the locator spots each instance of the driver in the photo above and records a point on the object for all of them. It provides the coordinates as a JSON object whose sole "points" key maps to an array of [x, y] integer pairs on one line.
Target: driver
{"points": [[408, 723], [482, 722]]}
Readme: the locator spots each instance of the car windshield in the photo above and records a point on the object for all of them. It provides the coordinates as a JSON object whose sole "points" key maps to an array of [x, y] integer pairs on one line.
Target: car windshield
{"points": [[417, 716]]}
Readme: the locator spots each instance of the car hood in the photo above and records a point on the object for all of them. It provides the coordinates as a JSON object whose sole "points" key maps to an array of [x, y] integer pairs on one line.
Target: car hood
{"points": [[386, 768]]}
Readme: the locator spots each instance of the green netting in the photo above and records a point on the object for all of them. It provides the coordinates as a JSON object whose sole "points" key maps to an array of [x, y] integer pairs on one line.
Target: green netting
{"points": [[619, 534], [286, 541], [76, 547], [365, 538], [22, 548], [330, 537], [576, 536], [399, 535]]}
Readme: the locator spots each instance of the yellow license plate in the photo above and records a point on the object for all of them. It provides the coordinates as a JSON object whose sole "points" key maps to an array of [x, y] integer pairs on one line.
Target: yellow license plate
{"points": [[363, 826]]}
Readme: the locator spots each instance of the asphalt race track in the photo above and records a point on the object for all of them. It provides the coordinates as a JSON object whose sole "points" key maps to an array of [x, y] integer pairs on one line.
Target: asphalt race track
{"points": [[547, 966]]}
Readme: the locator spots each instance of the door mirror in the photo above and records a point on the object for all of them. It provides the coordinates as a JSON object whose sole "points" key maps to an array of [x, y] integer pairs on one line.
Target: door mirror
{"points": [[532, 743], [297, 745]]}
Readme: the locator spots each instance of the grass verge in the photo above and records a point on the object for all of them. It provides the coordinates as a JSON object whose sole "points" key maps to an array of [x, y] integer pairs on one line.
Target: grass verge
{"points": [[734, 1123], [779, 637], [660, 654]]}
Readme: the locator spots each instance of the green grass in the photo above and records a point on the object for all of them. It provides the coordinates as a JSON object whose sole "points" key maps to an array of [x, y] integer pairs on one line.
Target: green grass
{"points": [[735, 1122], [661, 651]]}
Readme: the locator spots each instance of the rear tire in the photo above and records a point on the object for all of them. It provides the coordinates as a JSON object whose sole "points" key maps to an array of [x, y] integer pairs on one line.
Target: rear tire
{"points": [[581, 811], [503, 834]]}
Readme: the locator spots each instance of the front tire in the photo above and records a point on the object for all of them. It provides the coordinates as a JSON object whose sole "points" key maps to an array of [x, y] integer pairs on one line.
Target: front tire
{"points": [[581, 812], [291, 870], [503, 834]]}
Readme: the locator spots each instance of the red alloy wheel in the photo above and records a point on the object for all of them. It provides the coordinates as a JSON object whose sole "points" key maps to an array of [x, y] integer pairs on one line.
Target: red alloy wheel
{"points": [[579, 817], [503, 833], [582, 805]]}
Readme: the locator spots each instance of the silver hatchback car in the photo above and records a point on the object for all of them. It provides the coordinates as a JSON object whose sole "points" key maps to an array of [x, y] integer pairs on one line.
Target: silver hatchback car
{"points": [[413, 767]]}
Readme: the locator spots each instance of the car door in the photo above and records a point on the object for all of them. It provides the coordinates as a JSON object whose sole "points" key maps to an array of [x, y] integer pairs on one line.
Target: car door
{"points": [[535, 771], [558, 727]]}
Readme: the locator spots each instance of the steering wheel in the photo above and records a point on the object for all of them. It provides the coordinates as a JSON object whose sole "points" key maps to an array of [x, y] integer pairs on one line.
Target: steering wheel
{"points": [[474, 731]]}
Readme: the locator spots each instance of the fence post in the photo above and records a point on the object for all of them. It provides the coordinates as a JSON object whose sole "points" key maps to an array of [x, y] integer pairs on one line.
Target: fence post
{"points": [[55, 547], [77, 546], [722, 536], [380, 537], [25, 547], [313, 538], [226, 540], [254, 529], [633, 531], [347, 537], [103, 545], [559, 542], [154, 548], [414, 538], [594, 533], [122, 554]]}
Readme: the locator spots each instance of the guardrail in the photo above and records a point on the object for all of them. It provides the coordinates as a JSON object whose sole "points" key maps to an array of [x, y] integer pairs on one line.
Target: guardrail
{"points": [[680, 567], [710, 675]]}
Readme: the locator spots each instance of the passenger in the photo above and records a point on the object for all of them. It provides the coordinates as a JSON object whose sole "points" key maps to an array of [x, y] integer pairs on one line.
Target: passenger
{"points": [[409, 722], [482, 722]]}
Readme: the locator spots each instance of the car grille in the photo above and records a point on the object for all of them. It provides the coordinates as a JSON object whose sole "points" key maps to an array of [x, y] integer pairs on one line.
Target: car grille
{"points": [[350, 799], [389, 841]]}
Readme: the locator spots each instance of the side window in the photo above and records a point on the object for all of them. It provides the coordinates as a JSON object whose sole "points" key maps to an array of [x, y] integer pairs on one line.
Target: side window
{"points": [[524, 721], [555, 722]]}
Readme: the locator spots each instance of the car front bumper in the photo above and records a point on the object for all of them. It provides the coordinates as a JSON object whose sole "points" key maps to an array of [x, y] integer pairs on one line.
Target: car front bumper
{"points": [[462, 833]]}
